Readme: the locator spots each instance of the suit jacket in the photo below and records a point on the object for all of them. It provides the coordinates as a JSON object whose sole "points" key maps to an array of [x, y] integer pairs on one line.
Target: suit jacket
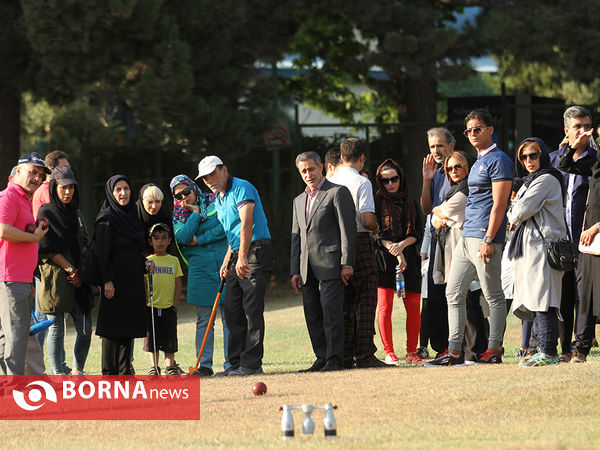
{"points": [[328, 239]]}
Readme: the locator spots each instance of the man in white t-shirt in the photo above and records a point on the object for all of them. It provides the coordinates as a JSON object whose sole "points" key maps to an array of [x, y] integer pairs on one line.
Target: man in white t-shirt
{"points": [[360, 295]]}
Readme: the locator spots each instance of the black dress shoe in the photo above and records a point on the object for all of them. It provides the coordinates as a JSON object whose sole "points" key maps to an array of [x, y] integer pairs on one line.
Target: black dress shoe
{"points": [[314, 368], [225, 373], [245, 372], [371, 363], [331, 367]]}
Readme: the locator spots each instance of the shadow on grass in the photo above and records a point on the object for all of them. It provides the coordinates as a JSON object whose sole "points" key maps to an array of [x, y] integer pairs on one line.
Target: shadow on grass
{"points": [[275, 299]]}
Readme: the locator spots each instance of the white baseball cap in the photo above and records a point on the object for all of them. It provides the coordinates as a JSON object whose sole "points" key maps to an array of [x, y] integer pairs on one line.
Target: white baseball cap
{"points": [[208, 165]]}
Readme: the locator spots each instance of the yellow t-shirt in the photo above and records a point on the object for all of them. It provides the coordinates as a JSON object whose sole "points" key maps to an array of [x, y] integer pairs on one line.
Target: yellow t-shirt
{"points": [[166, 270]]}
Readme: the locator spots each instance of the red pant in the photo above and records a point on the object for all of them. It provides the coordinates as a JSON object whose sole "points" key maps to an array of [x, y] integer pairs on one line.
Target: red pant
{"points": [[385, 305]]}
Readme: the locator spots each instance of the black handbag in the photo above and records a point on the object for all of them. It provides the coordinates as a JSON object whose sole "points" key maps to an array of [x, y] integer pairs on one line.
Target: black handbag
{"points": [[562, 254]]}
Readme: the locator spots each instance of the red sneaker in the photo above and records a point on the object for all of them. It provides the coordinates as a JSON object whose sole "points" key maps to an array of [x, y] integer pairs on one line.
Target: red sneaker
{"points": [[413, 358], [446, 359], [490, 357]]}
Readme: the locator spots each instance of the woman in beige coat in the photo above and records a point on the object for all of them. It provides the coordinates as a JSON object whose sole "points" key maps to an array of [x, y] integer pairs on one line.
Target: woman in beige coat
{"points": [[537, 211]]}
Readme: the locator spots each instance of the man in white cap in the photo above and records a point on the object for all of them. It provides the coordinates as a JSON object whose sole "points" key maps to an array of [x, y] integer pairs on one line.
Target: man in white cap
{"points": [[18, 259], [240, 211]]}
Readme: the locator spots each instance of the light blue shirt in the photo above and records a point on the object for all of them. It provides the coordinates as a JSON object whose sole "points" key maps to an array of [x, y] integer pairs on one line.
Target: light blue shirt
{"points": [[238, 192]]}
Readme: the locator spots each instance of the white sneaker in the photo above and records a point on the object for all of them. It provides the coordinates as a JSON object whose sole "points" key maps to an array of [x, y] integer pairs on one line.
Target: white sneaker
{"points": [[391, 359]]}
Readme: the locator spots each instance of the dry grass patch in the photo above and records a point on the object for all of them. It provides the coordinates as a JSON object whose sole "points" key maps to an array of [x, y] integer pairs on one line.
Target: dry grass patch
{"points": [[414, 407]]}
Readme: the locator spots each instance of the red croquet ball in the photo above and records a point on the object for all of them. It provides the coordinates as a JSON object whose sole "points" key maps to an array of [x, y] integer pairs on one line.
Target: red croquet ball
{"points": [[259, 388], [43, 221], [30, 228]]}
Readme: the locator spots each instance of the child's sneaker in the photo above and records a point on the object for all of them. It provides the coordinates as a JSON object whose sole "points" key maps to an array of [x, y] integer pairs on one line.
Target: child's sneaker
{"points": [[180, 371], [154, 370], [172, 370]]}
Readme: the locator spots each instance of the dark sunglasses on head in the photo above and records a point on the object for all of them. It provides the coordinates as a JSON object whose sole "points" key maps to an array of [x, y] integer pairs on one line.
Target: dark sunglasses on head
{"points": [[390, 180], [187, 191], [531, 156], [455, 166]]}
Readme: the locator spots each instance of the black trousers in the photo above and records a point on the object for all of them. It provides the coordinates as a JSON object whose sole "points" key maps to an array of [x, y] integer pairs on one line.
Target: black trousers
{"points": [[424, 332], [116, 356], [585, 328], [477, 328], [568, 304], [244, 308], [435, 320], [323, 303]]}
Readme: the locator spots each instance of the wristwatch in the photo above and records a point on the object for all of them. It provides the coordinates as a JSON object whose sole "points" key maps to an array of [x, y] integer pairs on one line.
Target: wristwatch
{"points": [[488, 240], [70, 270]]}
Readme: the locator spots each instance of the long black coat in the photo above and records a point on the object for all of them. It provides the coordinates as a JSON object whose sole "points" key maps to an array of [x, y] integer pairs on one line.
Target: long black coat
{"points": [[412, 273], [121, 261], [589, 288], [589, 265]]}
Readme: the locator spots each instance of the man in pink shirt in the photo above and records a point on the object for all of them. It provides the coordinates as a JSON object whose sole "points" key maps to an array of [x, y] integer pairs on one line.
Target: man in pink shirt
{"points": [[18, 258]]}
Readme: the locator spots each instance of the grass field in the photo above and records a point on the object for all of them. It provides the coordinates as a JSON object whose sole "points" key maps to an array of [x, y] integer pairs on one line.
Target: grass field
{"points": [[404, 407]]}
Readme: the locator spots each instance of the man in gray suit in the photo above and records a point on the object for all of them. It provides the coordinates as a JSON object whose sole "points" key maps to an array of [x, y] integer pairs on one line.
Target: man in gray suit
{"points": [[323, 248]]}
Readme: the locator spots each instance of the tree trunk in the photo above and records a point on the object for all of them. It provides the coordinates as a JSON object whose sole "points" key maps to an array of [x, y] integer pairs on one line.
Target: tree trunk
{"points": [[10, 121], [420, 113]]}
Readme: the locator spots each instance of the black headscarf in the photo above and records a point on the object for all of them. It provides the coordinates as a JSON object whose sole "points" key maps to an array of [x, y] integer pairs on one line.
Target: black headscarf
{"points": [[62, 236], [515, 249], [162, 216], [122, 219]]}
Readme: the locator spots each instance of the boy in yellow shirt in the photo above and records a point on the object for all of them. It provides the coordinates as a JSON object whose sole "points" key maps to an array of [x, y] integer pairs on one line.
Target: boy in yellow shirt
{"points": [[166, 283]]}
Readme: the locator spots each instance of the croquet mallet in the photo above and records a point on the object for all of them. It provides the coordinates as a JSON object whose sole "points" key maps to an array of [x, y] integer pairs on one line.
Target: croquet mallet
{"points": [[194, 370]]}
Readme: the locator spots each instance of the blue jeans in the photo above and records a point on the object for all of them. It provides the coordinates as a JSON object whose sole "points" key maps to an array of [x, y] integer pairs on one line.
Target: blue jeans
{"points": [[202, 318], [40, 316], [546, 323], [56, 341]]}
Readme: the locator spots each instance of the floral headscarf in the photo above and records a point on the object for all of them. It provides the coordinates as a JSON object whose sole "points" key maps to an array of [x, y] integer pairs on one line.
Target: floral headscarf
{"points": [[203, 200]]}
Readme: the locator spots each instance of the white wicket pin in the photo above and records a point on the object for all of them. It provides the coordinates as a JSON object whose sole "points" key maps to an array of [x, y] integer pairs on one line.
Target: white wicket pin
{"points": [[287, 423], [329, 425], [308, 424]]}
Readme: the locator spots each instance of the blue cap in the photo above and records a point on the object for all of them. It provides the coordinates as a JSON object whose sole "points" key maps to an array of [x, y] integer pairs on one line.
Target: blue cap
{"points": [[34, 159]]}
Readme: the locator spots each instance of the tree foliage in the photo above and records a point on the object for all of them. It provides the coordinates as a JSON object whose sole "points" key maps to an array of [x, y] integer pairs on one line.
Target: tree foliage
{"points": [[545, 48], [415, 43]]}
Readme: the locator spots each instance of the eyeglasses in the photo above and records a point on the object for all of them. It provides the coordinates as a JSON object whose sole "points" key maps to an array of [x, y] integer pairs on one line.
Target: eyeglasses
{"points": [[474, 131], [187, 191], [390, 180], [455, 166], [531, 156]]}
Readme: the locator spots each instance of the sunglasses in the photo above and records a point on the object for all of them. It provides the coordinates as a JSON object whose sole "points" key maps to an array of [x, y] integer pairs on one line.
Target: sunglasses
{"points": [[455, 166], [531, 156], [390, 180], [474, 131], [187, 191]]}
